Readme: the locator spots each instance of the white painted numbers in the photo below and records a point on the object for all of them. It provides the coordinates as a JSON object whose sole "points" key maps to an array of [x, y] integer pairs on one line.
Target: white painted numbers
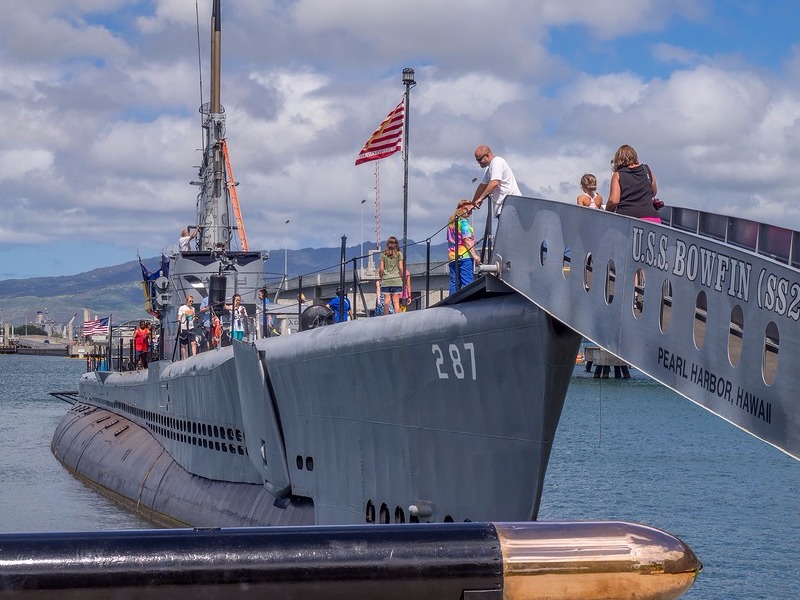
{"points": [[459, 361]]}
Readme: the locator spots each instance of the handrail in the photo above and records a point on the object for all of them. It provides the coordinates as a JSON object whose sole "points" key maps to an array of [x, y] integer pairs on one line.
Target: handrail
{"points": [[771, 241]]}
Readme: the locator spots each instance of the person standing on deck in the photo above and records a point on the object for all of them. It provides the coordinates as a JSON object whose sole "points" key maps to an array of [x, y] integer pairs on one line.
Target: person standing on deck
{"points": [[461, 246], [238, 317], [498, 180], [205, 312], [391, 267], [633, 186], [333, 304], [186, 237], [589, 198], [186, 337], [141, 344], [263, 320]]}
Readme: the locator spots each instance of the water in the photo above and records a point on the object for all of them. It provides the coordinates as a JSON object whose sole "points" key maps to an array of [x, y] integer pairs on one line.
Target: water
{"points": [[636, 451], [627, 450], [36, 492]]}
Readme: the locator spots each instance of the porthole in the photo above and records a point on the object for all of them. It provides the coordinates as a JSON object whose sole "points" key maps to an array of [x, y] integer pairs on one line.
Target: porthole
{"points": [[384, 514], [299, 462], [543, 253], [735, 335], [399, 515], [309, 463], [772, 344], [700, 316], [565, 266], [665, 313], [638, 293], [611, 281], [369, 517], [587, 272]]}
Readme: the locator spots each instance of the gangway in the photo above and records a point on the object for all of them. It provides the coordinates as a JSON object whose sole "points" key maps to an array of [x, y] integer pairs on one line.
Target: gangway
{"points": [[706, 304]]}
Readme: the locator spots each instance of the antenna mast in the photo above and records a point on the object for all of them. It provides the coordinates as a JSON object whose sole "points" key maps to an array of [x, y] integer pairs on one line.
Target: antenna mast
{"points": [[377, 205], [212, 206]]}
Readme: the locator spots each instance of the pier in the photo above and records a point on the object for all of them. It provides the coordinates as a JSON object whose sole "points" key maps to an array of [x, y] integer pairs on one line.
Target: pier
{"points": [[603, 360]]}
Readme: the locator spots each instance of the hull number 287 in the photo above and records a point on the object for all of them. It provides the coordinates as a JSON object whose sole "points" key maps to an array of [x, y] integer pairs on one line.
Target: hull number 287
{"points": [[457, 359]]}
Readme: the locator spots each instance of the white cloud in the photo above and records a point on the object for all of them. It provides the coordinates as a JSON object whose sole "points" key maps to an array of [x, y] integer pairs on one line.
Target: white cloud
{"points": [[170, 13], [21, 164], [103, 123]]}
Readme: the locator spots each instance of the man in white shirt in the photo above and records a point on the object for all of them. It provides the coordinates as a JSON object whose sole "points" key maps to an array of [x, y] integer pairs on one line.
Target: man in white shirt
{"points": [[186, 237], [186, 337], [498, 180]]}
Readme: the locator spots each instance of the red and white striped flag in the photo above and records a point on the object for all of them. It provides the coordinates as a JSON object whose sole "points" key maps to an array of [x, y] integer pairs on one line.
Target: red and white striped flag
{"points": [[95, 327], [387, 138]]}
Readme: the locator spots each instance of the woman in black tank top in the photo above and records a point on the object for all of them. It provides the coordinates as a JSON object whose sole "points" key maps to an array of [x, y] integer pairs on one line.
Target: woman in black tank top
{"points": [[633, 186]]}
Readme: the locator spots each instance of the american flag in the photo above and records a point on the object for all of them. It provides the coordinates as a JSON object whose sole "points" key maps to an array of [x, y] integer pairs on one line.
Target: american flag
{"points": [[387, 137], [95, 327]]}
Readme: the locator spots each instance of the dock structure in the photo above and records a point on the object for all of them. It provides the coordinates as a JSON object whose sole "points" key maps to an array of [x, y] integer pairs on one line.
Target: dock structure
{"points": [[603, 360], [40, 346]]}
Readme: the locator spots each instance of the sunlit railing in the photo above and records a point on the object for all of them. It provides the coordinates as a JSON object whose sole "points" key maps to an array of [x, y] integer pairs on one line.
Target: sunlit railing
{"points": [[771, 241]]}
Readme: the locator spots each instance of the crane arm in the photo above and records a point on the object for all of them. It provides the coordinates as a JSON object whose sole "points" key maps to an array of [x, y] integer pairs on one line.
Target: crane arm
{"points": [[237, 213]]}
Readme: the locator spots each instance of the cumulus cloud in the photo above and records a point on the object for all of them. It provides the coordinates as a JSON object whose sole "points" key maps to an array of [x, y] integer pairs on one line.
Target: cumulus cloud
{"points": [[105, 130]]}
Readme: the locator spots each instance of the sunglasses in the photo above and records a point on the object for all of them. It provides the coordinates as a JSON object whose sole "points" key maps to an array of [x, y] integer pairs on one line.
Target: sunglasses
{"points": [[481, 157]]}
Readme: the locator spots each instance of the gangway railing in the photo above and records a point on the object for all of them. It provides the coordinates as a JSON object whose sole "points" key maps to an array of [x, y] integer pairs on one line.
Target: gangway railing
{"points": [[771, 241]]}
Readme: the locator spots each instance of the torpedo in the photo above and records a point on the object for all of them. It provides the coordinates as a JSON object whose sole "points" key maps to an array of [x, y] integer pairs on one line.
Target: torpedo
{"points": [[458, 561]]}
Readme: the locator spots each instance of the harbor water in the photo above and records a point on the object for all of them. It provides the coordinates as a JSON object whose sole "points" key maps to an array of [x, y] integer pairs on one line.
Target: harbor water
{"points": [[625, 449]]}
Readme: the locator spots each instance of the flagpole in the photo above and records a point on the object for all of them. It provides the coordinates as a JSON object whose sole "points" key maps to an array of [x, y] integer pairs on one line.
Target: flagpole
{"points": [[109, 350], [408, 81]]}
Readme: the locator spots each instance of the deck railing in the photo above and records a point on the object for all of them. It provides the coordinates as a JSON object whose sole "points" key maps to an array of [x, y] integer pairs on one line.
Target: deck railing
{"points": [[771, 241]]}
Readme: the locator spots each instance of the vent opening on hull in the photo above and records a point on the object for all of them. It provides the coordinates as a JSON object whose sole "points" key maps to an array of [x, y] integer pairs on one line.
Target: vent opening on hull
{"points": [[370, 513], [306, 463]]}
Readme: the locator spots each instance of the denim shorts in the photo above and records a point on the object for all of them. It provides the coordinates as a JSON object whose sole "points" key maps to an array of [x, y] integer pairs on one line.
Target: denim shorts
{"points": [[391, 289]]}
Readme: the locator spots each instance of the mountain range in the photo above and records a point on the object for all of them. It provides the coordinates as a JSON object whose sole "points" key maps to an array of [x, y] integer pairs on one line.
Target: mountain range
{"points": [[117, 290]]}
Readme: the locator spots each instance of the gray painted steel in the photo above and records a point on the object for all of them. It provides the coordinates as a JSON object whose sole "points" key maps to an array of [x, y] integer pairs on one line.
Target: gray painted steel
{"points": [[695, 278], [439, 408], [125, 462]]}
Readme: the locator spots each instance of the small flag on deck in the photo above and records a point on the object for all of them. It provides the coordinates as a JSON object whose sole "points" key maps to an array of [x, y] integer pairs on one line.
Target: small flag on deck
{"points": [[387, 138], [95, 327]]}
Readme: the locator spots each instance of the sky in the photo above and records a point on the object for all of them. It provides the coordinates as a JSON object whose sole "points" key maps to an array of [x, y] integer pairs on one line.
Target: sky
{"points": [[102, 128]]}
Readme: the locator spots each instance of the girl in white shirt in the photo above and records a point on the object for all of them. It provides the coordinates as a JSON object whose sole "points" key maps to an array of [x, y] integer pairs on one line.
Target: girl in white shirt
{"points": [[590, 198]]}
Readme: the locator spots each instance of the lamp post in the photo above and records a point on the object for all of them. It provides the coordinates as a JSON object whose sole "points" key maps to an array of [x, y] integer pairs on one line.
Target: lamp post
{"points": [[361, 252], [286, 257], [408, 81]]}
